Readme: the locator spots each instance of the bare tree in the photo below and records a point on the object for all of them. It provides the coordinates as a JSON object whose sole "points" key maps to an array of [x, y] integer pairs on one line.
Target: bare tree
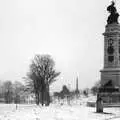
{"points": [[42, 73], [8, 91], [18, 88], [95, 87]]}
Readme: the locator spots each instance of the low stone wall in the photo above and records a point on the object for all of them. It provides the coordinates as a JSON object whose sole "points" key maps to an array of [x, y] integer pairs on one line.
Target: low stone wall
{"points": [[91, 104], [110, 97], [109, 100]]}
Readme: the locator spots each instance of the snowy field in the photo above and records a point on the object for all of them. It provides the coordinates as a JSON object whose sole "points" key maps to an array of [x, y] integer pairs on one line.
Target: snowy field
{"points": [[56, 112]]}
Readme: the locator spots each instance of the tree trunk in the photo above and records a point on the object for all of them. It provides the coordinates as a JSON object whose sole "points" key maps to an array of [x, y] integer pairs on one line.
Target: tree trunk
{"points": [[47, 98], [37, 98], [47, 95], [42, 97]]}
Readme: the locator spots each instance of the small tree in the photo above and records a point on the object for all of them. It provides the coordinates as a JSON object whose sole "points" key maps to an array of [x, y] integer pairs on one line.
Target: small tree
{"points": [[42, 73], [1, 90], [65, 91], [18, 88], [8, 91], [86, 92], [95, 88]]}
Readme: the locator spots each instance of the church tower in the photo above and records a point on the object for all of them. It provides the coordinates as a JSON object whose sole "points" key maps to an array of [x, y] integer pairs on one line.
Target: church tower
{"points": [[111, 69]]}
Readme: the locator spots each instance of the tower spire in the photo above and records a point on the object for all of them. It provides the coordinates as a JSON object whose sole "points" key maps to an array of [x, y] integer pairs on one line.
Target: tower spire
{"points": [[77, 83]]}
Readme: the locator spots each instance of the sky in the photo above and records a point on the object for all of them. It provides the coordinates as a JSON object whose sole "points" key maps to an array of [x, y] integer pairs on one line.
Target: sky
{"points": [[69, 30]]}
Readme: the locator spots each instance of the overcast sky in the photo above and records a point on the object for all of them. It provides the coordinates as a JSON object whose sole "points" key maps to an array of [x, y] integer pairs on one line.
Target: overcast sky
{"points": [[69, 30]]}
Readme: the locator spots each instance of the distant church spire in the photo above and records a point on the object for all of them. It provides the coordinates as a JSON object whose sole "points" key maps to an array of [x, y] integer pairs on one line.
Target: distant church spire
{"points": [[77, 83]]}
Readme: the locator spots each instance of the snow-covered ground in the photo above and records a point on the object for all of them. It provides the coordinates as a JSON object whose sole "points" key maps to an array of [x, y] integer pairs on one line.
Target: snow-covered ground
{"points": [[75, 111]]}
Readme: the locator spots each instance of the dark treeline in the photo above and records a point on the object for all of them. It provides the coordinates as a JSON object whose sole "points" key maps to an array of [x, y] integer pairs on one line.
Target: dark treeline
{"points": [[41, 75], [12, 92], [66, 93]]}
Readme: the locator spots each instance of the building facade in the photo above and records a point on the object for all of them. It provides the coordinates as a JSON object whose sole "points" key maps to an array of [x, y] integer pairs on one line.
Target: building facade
{"points": [[111, 69]]}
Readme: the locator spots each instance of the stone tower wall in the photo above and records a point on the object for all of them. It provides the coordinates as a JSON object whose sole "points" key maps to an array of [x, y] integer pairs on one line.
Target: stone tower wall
{"points": [[111, 70]]}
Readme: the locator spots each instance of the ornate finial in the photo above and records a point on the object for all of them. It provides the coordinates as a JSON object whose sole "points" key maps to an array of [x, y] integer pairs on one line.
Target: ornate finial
{"points": [[113, 17]]}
